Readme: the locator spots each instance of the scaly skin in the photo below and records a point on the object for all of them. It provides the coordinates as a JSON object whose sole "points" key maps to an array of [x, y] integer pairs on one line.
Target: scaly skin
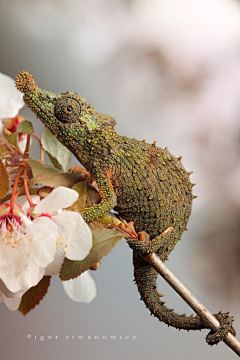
{"points": [[144, 183]]}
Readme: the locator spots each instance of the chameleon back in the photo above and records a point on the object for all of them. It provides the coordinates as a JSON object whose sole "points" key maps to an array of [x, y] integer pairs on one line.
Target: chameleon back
{"points": [[152, 187]]}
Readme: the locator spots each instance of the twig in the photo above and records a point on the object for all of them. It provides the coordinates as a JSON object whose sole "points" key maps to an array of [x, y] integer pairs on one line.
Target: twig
{"points": [[206, 317]]}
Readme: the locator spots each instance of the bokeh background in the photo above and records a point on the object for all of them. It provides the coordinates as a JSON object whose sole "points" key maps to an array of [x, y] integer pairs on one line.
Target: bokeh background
{"points": [[167, 70]]}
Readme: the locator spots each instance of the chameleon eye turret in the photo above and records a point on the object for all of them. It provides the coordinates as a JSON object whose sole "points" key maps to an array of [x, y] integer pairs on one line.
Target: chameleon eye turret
{"points": [[67, 110], [143, 182]]}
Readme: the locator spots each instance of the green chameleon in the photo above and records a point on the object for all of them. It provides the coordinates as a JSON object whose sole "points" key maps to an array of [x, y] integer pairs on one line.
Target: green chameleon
{"points": [[142, 182]]}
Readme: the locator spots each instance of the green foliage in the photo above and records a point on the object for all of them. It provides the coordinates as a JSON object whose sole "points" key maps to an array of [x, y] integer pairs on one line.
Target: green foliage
{"points": [[48, 175], [104, 241], [25, 127], [58, 154], [12, 139]]}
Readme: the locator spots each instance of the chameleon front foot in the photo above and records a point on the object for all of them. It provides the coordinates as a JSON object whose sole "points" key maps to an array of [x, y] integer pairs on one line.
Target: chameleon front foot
{"points": [[226, 321], [145, 246]]}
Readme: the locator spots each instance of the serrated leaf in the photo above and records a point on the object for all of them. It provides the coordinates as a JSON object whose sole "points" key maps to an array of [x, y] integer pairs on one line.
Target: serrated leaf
{"points": [[3, 150], [25, 127], [104, 241], [48, 175], [58, 154], [4, 180], [34, 295]]}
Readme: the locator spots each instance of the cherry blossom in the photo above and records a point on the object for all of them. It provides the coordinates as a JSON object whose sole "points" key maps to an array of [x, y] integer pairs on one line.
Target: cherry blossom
{"points": [[26, 249]]}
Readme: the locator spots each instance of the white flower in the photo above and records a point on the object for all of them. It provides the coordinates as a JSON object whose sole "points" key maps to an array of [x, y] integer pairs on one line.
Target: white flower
{"points": [[26, 248], [74, 239], [81, 289], [11, 100], [11, 300], [11, 303]]}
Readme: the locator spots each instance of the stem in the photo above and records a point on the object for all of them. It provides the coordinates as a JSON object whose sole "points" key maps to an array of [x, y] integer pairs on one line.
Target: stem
{"points": [[26, 187], [19, 192], [41, 148], [14, 190], [26, 152], [206, 317]]}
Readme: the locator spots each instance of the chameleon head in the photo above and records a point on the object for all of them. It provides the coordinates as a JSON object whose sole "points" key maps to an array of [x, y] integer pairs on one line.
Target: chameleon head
{"points": [[67, 113]]}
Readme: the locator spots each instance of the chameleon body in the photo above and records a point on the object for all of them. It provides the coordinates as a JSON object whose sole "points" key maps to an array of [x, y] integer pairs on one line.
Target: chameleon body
{"points": [[144, 183]]}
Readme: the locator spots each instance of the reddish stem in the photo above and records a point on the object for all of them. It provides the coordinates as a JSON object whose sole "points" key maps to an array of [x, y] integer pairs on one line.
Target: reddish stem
{"points": [[26, 186], [26, 152], [41, 148], [14, 190], [19, 192]]}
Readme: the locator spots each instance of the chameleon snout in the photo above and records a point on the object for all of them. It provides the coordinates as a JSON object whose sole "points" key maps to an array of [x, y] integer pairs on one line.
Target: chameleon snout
{"points": [[25, 82]]}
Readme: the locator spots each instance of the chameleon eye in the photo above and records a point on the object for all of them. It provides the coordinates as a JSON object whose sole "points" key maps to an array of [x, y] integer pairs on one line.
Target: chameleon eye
{"points": [[67, 110]]}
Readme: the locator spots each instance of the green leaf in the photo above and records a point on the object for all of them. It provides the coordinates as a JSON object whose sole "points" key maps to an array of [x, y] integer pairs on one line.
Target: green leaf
{"points": [[104, 241], [88, 195], [58, 154], [25, 127], [48, 175], [12, 139], [34, 295], [4, 180]]}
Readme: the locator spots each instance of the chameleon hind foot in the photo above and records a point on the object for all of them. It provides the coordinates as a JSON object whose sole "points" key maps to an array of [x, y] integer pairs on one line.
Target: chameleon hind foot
{"points": [[145, 246], [226, 321]]}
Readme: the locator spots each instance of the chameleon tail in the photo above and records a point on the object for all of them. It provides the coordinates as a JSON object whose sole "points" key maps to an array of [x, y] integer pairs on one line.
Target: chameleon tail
{"points": [[145, 278]]}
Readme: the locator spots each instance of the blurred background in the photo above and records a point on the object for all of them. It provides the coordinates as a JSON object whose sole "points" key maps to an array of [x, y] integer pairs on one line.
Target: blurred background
{"points": [[167, 71]]}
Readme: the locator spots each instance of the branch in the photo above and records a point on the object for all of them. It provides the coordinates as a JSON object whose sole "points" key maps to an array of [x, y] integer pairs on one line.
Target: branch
{"points": [[206, 317]]}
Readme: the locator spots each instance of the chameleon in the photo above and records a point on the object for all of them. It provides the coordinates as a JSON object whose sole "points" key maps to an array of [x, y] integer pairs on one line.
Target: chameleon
{"points": [[142, 182]]}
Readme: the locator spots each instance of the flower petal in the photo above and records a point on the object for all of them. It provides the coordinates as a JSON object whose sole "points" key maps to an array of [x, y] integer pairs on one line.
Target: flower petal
{"points": [[11, 100], [81, 289], [55, 266], [11, 303], [8, 293], [75, 233], [29, 259], [23, 202], [60, 198], [45, 240]]}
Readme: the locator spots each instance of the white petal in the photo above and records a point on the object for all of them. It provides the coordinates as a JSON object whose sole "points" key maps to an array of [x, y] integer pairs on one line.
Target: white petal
{"points": [[55, 266], [11, 303], [8, 293], [75, 233], [60, 198], [45, 240], [27, 263], [11, 100], [23, 202], [81, 289]]}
